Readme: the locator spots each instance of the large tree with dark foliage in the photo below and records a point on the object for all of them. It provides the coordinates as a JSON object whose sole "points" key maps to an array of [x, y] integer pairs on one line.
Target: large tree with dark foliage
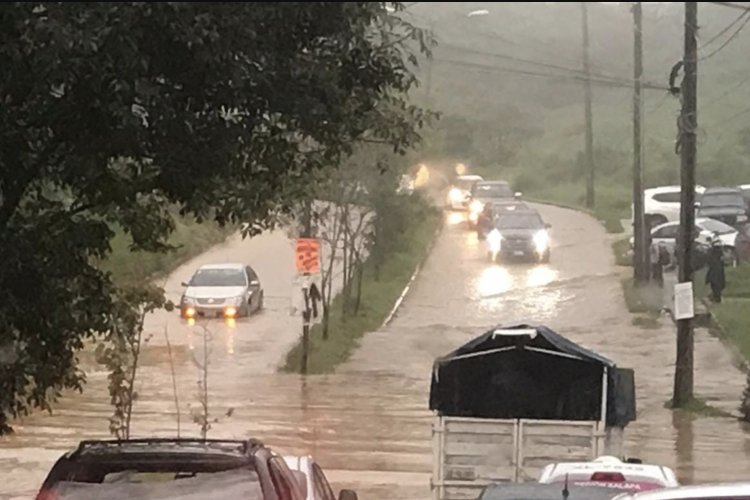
{"points": [[114, 113]]}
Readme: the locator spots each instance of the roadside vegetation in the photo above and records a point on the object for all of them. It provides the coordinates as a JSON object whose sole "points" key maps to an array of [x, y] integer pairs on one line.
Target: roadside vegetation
{"points": [[188, 240], [377, 236], [167, 139]]}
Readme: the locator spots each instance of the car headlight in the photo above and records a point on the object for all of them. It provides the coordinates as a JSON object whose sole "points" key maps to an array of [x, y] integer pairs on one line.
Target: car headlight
{"points": [[476, 206], [188, 301], [541, 241], [455, 195], [494, 240]]}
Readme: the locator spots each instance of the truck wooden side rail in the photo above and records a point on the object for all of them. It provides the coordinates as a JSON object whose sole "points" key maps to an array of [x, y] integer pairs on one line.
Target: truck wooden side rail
{"points": [[470, 453]]}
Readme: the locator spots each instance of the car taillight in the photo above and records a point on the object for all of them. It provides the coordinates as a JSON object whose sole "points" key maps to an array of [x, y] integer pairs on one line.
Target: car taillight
{"points": [[611, 477]]}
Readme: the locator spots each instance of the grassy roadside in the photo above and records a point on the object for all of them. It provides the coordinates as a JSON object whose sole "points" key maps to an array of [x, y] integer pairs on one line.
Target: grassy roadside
{"points": [[190, 237], [610, 208], [732, 314], [378, 297]]}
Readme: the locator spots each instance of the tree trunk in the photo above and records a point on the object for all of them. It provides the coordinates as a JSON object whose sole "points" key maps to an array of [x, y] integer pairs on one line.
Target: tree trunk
{"points": [[360, 275]]}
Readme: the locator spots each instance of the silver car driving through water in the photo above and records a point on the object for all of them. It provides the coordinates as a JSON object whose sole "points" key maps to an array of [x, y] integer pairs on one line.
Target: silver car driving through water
{"points": [[217, 290]]}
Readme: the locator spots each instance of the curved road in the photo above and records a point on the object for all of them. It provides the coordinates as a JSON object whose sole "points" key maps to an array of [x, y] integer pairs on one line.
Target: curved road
{"points": [[368, 424]]}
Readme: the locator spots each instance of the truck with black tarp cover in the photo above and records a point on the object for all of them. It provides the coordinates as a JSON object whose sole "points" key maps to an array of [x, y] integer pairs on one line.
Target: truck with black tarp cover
{"points": [[517, 398]]}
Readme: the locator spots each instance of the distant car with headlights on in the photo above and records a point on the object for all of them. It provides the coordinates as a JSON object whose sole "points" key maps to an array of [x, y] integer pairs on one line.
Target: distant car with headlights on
{"points": [[222, 290], [485, 192], [519, 234], [492, 210], [460, 192]]}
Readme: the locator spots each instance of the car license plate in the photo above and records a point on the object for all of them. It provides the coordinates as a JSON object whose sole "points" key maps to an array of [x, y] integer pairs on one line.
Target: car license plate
{"points": [[518, 253]]}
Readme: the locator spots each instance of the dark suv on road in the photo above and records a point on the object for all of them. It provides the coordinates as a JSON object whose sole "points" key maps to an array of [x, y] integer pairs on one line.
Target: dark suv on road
{"points": [[171, 468]]}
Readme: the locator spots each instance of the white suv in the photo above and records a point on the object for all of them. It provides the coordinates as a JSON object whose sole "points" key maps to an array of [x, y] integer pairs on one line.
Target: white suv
{"points": [[662, 204]]}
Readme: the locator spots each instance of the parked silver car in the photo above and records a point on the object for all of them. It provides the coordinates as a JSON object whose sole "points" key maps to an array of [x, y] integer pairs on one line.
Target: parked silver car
{"points": [[313, 481], [222, 290]]}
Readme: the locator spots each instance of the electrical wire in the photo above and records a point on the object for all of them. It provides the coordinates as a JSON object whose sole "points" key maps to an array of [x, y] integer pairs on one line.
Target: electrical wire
{"points": [[732, 5], [578, 78], [723, 31], [724, 94], [579, 72], [728, 40]]}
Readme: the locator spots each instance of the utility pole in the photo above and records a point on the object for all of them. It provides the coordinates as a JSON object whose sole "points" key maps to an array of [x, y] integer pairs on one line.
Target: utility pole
{"points": [[688, 123], [589, 120], [642, 256], [306, 313]]}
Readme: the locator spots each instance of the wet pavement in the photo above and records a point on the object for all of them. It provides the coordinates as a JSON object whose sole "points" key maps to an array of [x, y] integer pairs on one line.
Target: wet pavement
{"points": [[368, 424]]}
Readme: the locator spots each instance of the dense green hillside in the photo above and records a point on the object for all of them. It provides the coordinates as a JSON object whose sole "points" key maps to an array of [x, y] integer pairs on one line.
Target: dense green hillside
{"points": [[512, 109]]}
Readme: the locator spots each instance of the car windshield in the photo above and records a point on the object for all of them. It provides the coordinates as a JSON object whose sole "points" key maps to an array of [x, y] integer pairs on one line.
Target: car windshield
{"points": [[219, 277], [722, 200], [716, 226], [126, 485], [519, 221], [492, 191]]}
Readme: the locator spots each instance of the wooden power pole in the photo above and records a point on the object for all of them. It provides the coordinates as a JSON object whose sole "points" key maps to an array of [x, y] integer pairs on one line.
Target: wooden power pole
{"points": [[688, 123], [589, 120], [641, 246]]}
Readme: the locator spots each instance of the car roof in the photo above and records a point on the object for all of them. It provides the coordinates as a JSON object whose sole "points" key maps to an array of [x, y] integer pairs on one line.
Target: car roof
{"points": [[469, 177], [230, 265], [720, 190], [538, 491], [669, 189], [102, 449], [665, 475], [719, 490], [494, 182]]}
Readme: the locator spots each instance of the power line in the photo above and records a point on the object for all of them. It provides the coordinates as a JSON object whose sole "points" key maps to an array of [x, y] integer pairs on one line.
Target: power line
{"points": [[724, 94], [575, 71], [732, 5], [726, 28], [527, 61], [578, 78], [728, 40]]}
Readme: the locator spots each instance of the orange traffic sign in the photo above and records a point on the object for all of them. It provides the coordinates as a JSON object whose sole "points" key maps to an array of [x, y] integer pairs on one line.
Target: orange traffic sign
{"points": [[308, 255]]}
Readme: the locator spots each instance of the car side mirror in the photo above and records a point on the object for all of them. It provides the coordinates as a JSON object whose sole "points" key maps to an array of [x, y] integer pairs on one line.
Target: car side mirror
{"points": [[548, 226], [518, 195], [184, 284], [348, 495], [254, 283], [697, 204]]}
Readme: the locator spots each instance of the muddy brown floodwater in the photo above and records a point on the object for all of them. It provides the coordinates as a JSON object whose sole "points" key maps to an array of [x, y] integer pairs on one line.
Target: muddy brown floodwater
{"points": [[368, 423]]}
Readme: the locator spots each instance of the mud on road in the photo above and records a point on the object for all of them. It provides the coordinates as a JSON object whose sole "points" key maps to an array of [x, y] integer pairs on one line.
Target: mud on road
{"points": [[368, 424]]}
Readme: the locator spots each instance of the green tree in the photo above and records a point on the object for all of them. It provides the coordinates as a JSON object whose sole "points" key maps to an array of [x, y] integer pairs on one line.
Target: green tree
{"points": [[113, 113]]}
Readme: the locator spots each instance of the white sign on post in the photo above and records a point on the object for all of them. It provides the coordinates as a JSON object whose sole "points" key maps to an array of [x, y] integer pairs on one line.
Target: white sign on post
{"points": [[683, 301]]}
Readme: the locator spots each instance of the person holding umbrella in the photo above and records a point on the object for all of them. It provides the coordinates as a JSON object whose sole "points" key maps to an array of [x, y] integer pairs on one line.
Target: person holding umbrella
{"points": [[715, 276]]}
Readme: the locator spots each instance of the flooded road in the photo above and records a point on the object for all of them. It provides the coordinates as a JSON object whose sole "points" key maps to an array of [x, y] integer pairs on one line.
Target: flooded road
{"points": [[368, 424]]}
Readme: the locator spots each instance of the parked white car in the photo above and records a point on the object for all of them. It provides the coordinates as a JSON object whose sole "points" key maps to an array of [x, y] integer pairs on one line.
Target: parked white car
{"points": [[313, 481], [662, 204], [610, 472], [705, 228], [735, 491]]}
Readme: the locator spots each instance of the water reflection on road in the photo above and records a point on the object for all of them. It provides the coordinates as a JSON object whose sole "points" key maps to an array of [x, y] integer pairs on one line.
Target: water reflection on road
{"points": [[368, 424]]}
